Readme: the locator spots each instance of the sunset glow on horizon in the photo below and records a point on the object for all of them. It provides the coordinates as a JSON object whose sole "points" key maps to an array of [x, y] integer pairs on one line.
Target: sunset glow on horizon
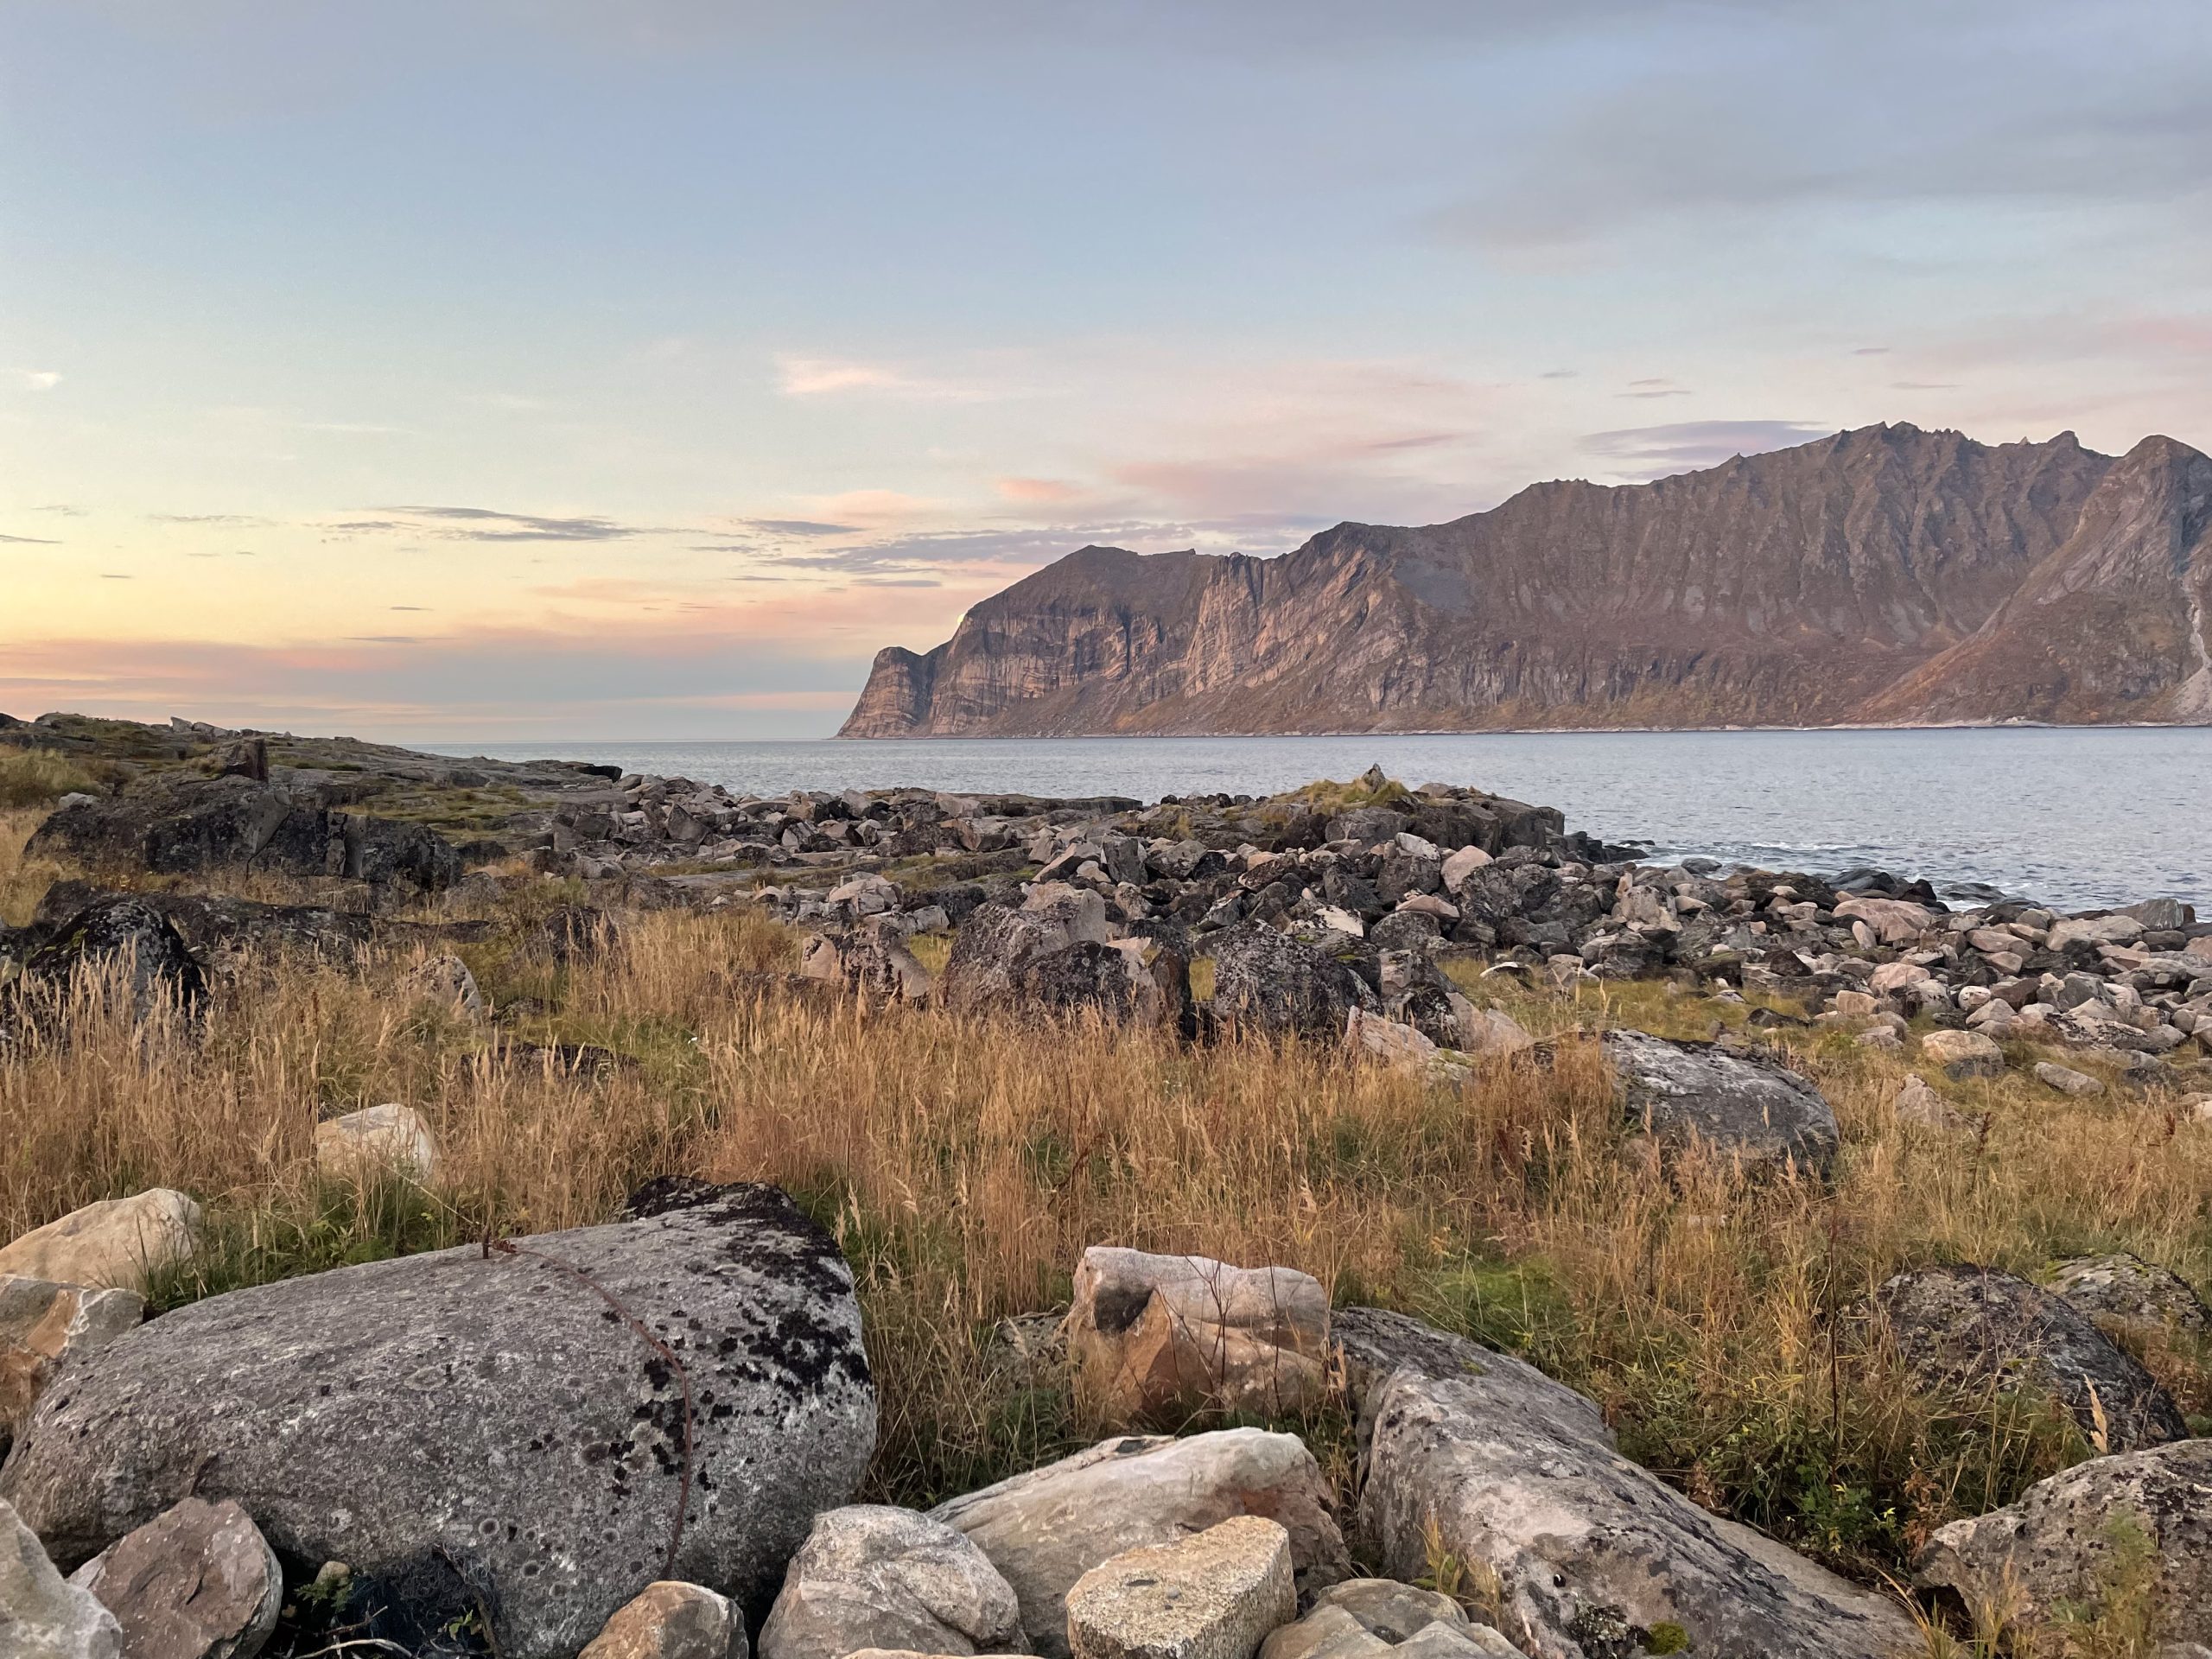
{"points": [[500, 371]]}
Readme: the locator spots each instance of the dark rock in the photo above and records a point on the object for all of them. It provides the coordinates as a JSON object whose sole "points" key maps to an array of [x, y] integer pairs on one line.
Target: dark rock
{"points": [[1267, 982], [1744, 1106], [121, 928], [463, 1428], [1368, 824], [1974, 1328], [998, 941]]}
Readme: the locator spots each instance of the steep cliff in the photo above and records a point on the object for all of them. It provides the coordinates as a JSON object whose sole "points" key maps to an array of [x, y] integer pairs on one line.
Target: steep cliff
{"points": [[1883, 574]]}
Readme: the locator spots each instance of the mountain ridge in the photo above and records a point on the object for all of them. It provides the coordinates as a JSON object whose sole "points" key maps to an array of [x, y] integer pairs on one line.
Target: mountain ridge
{"points": [[1881, 575]]}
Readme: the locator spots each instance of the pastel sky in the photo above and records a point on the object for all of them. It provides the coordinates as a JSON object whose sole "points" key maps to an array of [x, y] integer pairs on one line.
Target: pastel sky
{"points": [[483, 368]]}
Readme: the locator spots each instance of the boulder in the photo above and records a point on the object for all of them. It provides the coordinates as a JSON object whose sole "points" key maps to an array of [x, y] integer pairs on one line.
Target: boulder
{"points": [[1333, 1633], [117, 933], [123, 1242], [1475, 1452], [1216, 1595], [1964, 1054], [1920, 1106], [1046, 1529], [489, 1425], [870, 1576], [1157, 1338], [2134, 1294], [1461, 865], [1971, 1328], [445, 982], [998, 940], [2059, 1547], [1892, 921], [375, 1141], [1133, 982], [2066, 1080], [1273, 985], [871, 959], [198, 1581], [1755, 1111], [671, 1619], [42, 1324], [2116, 929], [42, 1615]]}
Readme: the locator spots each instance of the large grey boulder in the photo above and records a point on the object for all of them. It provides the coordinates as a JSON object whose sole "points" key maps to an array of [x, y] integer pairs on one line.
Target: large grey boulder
{"points": [[998, 941], [1489, 1458], [196, 1582], [1269, 983], [1046, 1529], [1745, 1107], [42, 1615], [116, 933], [1975, 1329], [466, 1426], [871, 1576], [2062, 1541]]}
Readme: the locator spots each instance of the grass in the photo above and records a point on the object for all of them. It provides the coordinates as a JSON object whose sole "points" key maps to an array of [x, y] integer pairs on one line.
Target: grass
{"points": [[37, 777], [965, 1164]]}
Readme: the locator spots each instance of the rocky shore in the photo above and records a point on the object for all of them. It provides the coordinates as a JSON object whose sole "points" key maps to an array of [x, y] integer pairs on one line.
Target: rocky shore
{"points": [[640, 1439]]}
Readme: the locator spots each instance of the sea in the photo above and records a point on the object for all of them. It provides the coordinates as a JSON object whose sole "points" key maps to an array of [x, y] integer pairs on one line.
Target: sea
{"points": [[2078, 817]]}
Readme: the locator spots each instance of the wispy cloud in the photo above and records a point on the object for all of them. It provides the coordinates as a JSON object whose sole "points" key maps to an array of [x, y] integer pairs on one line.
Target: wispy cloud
{"points": [[488, 525], [1652, 451], [798, 527], [38, 380], [232, 518], [31, 541], [830, 377]]}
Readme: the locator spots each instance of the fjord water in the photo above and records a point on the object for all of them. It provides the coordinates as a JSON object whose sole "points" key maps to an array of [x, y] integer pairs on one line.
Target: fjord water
{"points": [[2078, 817]]}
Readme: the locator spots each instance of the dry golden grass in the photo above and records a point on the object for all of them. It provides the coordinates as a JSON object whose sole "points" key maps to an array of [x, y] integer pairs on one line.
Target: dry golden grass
{"points": [[965, 1164]]}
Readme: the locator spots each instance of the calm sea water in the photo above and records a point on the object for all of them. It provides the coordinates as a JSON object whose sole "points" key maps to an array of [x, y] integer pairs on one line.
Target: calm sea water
{"points": [[2078, 817]]}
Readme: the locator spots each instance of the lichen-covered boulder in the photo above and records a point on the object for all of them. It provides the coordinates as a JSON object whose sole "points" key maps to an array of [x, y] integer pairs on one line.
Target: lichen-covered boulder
{"points": [[1485, 1457], [998, 941], [1274, 985], [2065, 1542], [488, 1426], [1973, 1328], [1743, 1107], [115, 933], [2125, 1290], [872, 1576]]}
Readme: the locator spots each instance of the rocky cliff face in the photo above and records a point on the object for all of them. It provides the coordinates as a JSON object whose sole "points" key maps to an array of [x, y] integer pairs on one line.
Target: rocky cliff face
{"points": [[1886, 574]]}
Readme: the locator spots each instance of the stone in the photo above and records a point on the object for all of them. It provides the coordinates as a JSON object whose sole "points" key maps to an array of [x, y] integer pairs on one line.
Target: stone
{"points": [[1856, 1005], [1479, 1454], [1892, 921], [1490, 1031], [872, 959], [1216, 1595], [1461, 865], [492, 1415], [1922, 1107], [2126, 1289], [1045, 1528], [1136, 982], [2059, 1544], [42, 1615], [42, 1324], [375, 1141], [670, 1619], [1365, 1618], [1395, 1612], [1964, 1054], [198, 1581], [1752, 1110], [1894, 976], [1273, 985], [870, 1576], [2115, 929], [121, 1243], [445, 982], [998, 940], [1970, 1329], [1404, 1047], [2066, 1080], [120, 934], [1158, 1338]]}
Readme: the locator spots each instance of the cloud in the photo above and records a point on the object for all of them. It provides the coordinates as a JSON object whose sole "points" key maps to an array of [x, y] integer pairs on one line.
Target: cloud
{"points": [[1923, 385], [487, 524], [31, 541], [38, 380], [63, 508], [1870, 351], [798, 527], [1038, 491], [1654, 451], [814, 377], [831, 376], [1653, 388], [238, 518]]}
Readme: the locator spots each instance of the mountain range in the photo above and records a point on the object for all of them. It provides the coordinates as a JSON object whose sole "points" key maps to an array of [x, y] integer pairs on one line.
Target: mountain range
{"points": [[1884, 576]]}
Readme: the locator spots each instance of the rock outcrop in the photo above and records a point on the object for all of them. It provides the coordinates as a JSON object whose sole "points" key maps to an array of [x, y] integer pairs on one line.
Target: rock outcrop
{"points": [[1885, 573], [473, 1426]]}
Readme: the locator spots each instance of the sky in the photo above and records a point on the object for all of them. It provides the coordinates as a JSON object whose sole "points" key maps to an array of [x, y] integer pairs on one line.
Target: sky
{"points": [[492, 370]]}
